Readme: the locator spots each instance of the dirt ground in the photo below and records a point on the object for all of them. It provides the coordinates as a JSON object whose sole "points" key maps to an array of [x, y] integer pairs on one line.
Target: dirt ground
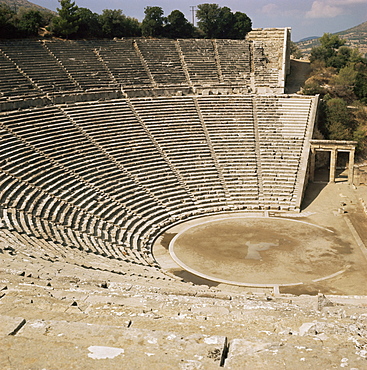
{"points": [[321, 249]]}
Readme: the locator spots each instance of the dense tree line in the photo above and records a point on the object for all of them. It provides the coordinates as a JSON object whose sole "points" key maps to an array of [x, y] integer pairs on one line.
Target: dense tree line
{"points": [[339, 75], [22, 23], [75, 22]]}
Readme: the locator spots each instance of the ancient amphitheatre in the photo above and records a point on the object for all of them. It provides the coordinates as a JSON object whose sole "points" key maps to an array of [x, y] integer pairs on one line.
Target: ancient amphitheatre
{"points": [[161, 208]]}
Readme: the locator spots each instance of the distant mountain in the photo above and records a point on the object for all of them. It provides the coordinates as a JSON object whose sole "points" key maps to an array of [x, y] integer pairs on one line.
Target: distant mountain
{"points": [[309, 38], [16, 4], [355, 37]]}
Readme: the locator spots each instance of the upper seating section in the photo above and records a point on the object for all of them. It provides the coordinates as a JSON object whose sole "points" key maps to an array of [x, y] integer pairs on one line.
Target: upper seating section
{"points": [[123, 61], [200, 60], [41, 67], [235, 61], [57, 67], [163, 61], [82, 62], [13, 84]]}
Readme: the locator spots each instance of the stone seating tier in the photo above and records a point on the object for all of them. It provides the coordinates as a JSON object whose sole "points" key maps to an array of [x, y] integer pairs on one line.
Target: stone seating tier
{"points": [[166, 67], [39, 66], [82, 63], [108, 176]]}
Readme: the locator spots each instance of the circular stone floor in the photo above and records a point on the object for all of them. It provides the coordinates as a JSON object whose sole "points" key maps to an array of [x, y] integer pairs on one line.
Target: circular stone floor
{"points": [[260, 251]]}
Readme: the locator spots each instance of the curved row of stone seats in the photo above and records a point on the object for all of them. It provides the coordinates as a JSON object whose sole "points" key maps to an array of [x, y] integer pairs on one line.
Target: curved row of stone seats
{"points": [[199, 58], [175, 125], [282, 136], [82, 63], [101, 187], [124, 63], [13, 84], [122, 170], [25, 207], [69, 67], [44, 229], [230, 124], [32, 58], [32, 246], [68, 147], [117, 130], [118, 198], [153, 149], [235, 61], [51, 259], [26, 197], [163, 60]]}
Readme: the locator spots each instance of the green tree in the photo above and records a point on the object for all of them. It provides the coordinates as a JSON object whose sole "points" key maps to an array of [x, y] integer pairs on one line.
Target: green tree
{"points": [[67, 22], [327, 51], [30, 21], [342, 84], [242, 25], [339, 74], [219, 22], [178, 26], [89, 25], [360, 134], [341, 58], [208, 17], [7, 22], [340, 122], [116, 24], [295, 50], [360, 87], [133, 27], [225, 24], [153, 22]]}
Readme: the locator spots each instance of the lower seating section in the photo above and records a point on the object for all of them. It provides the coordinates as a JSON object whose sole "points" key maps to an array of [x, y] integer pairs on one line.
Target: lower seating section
{"points": [[229, 120], [114, 127], [175, 125], [62, 161], [107, 177], [282, 125]]}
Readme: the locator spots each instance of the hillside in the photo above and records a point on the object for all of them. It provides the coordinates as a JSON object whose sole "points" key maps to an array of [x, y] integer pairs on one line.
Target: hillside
{"points": [[355, 36], [16, 4]]}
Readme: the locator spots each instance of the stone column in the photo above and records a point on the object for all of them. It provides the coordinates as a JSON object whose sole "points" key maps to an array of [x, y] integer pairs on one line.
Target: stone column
{"points": [[333, 156], [351, 166], [312, 164]]}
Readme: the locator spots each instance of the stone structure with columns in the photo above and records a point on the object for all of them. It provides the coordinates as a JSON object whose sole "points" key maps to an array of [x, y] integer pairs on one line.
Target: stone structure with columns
{"points": [[334, 147]]}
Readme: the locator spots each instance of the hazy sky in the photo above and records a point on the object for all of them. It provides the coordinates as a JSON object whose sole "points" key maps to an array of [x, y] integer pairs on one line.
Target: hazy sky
{"points": [[305, 17]]}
